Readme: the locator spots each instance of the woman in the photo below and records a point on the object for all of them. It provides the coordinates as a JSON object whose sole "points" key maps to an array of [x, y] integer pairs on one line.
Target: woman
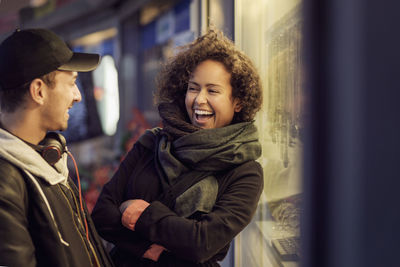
{"points": [[185, 191]]}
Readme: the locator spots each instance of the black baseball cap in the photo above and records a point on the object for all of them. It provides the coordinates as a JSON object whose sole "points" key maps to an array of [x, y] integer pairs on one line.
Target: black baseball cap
{"points": [[31, 53]]}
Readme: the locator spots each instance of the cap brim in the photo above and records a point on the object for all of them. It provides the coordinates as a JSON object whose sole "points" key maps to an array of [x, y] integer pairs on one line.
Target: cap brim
{"points": [[81, 62]]}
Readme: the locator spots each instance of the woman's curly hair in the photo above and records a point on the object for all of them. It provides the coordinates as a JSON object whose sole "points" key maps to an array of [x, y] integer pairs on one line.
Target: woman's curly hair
{"points": [[173, 79]]}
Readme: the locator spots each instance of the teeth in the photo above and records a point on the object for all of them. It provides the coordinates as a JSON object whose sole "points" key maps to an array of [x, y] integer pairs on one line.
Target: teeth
{"points": [[202, 112]]}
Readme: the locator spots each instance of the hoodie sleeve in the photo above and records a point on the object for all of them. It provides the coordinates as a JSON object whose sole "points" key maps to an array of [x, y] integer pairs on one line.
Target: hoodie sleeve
{"points": [[16, 246]]}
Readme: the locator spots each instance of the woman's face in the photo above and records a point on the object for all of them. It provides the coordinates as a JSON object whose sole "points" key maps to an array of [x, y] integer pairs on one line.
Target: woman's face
{"points": [[209, 101]]}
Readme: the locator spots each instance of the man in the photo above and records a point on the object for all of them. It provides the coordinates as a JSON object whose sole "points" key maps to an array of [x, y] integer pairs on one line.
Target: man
{"points": [[42, 222]]}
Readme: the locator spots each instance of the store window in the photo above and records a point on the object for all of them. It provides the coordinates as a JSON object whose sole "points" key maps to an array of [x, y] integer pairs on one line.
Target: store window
{"points": [[164, 25], [98, 112], [269, 31]]}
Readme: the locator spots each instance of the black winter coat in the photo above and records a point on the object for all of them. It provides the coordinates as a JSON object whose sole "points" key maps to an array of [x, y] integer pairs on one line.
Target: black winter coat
{"points": [[201, 240], [31, 234]]}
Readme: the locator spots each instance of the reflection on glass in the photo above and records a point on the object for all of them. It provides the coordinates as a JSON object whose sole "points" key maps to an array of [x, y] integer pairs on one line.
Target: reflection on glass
{"points": [[284, 84]]}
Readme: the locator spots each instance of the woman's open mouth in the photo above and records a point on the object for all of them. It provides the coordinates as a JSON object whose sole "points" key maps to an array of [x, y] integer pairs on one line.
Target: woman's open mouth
{"points": [[202, 116]]}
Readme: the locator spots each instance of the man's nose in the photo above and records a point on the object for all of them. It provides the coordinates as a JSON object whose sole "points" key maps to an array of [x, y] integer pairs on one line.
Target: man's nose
{"points": [[77, 95]]}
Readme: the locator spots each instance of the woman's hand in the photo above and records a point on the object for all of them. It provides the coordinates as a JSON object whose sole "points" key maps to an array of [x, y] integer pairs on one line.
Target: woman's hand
{"points": [[154, 252], [131, 211]]}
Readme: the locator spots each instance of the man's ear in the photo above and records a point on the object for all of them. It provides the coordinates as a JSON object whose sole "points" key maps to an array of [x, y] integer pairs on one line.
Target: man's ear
{"points": [[37, 91]]}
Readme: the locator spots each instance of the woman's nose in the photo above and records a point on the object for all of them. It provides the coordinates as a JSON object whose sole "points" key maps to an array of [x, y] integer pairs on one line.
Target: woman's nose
{"points": [[201, 97]]}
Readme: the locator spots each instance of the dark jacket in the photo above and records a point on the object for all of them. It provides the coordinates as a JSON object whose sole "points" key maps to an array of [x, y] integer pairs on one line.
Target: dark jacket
{"points": [[40, 220], [200, 240]]}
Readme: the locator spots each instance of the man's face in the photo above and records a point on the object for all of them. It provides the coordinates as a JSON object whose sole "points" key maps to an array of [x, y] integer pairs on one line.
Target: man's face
{"points": [[60, 98]]}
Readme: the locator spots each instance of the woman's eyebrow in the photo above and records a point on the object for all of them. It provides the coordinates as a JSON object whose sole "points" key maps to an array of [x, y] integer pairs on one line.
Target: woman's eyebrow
{"points": [[194, 83], [207, 85]]}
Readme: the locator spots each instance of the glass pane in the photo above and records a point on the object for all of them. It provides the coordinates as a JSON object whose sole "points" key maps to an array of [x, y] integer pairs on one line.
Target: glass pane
{"points": [[269, 31]]}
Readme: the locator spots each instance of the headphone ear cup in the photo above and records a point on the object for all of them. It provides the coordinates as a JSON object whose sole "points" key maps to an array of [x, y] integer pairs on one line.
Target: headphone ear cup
{"points": [[52, 147]]}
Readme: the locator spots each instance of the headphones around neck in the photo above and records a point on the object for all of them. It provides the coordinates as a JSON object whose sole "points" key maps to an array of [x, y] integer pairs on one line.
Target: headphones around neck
{"points": [[52, 147]]}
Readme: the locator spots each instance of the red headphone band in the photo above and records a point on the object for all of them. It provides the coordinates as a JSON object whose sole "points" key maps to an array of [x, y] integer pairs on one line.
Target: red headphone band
{"points": [[56, 151]]}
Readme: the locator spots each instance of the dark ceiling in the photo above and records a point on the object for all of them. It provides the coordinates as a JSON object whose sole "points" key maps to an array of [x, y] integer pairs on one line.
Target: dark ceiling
{"points": [[8, 7]]}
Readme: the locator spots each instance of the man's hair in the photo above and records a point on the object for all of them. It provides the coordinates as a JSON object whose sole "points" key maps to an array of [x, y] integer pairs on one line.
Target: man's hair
{"points": [[10, 99], [173, 79]]}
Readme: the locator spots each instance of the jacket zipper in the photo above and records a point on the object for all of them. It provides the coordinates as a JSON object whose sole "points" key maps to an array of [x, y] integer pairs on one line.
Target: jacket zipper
{"points": [[80, 220]]}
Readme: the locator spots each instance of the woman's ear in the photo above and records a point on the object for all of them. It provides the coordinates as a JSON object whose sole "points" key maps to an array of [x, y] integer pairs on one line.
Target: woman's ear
{"points": [[37, 91], [237, 105]]}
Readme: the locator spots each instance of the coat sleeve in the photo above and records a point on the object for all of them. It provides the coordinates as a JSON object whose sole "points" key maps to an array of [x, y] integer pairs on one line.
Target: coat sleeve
{"points": [[199, 240], [16, 246], [106, 214]]}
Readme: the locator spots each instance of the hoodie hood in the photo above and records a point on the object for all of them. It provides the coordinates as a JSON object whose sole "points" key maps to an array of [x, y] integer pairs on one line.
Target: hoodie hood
{"points": [[26, 158]]}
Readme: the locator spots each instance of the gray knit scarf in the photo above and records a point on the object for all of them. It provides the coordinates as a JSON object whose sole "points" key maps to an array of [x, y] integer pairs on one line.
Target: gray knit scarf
{"points": [[194, 151]]}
